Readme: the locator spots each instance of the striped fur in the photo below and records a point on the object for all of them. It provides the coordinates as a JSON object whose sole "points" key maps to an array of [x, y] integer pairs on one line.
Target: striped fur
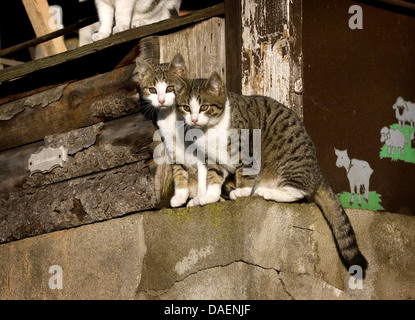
{"points": [[289, 167]]}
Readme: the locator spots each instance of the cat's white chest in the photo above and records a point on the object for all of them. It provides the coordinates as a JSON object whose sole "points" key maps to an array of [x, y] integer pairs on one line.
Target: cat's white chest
{"points": [[217, 139], [166, 121]]}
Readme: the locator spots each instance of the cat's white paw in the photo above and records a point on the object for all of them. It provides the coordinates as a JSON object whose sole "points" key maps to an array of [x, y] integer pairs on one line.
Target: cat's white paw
{"points": [[203, 200], [179, 198], [208, 198], [240, 192], [99, 36], [212, 195], [136, 23], [193, 202], [119, 28]]}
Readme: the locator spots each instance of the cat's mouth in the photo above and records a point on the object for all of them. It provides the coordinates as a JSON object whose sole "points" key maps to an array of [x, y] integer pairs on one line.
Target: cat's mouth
{"points": [[194, 125], [163, 107]]}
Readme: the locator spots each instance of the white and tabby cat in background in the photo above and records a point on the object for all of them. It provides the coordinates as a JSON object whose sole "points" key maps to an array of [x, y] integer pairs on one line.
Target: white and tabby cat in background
{"points": [[132, 13]]}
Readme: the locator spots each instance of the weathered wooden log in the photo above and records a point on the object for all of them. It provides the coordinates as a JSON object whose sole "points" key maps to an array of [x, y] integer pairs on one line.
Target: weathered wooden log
{"points": [[82, 200], [109, 173], [67, 107]]}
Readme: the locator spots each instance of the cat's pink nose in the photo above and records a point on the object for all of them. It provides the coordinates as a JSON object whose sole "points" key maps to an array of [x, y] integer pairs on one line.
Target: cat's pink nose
{"points": [[162, 101], [194, 120]]}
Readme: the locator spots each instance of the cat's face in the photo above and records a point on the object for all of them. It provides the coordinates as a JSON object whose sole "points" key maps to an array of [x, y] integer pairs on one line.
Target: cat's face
{"points": [[159, 83], [201, 103]]}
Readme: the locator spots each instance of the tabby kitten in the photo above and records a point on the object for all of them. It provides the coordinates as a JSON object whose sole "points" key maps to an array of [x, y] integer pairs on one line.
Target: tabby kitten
{"points": [[289, 170], [158, 85]]}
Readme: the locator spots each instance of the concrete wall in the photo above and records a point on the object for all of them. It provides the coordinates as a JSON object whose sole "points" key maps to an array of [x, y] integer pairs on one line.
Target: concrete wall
{"points": [[244, 249]]}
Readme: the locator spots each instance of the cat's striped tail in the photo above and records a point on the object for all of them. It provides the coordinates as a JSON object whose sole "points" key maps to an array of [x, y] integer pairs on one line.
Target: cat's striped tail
{"points": [[340, 226]]}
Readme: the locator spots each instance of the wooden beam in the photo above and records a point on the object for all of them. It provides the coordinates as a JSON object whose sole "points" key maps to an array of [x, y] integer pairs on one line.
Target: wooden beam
{"points": [[233, 44], [271, 51], [119, 38], [134, 132], [30, 43], [9, 62], [38, 12], [67, 107]]}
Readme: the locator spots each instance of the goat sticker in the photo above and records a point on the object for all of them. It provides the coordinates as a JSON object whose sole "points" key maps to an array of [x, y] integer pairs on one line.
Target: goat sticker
{"points": [[398, 138], [358, 173]]}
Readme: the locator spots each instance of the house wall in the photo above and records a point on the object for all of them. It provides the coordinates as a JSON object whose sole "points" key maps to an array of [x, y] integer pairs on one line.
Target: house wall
{"points": [[352, 80]]}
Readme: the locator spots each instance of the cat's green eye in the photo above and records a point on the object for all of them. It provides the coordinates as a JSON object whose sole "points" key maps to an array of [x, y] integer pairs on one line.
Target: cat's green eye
{"points": [[186, 108], [152, 90], [170, 89], [204, 107]]}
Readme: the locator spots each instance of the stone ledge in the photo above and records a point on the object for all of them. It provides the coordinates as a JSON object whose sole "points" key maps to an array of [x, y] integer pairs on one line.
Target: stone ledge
{"points": [[244, 249]]}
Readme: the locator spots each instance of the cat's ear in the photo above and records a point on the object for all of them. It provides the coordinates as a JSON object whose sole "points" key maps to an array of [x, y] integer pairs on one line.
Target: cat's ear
{"points": [[143, 68], [336, 151], [180, 84], [178, 66], [215, 84]]}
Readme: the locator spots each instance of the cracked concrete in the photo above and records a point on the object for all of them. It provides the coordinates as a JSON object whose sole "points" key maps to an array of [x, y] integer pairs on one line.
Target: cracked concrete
{"points": [[244, 249]]}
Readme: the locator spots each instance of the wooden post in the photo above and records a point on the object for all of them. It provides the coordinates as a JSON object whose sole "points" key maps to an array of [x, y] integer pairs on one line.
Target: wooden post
{"points": [[271, 50], [38, 12], [233, 45]]}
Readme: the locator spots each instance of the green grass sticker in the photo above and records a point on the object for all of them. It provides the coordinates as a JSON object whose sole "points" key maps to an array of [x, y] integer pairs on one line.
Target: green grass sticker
{"points": [[374, 201]]}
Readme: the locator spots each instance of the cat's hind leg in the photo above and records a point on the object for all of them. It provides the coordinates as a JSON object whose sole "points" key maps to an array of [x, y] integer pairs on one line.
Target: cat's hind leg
{"points": [[280, 194], [244, 184], [181, 190], [240, 193], [215, 179]]}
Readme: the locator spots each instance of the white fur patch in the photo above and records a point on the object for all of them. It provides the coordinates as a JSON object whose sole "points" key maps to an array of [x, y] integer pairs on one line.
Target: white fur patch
{"points": [[284, 194], [201, 179]]}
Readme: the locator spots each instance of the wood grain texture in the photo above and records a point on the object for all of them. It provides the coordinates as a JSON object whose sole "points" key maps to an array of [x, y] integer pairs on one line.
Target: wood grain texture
{"points": [[67, 107], [38, 12], [271, 51], [202, 47], [109, 173]]}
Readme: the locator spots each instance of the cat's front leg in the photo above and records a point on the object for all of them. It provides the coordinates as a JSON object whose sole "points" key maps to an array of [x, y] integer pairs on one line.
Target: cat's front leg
{"points": [[202, 171], [215, 178], [181, 190], [123, 12], [106, 16]]}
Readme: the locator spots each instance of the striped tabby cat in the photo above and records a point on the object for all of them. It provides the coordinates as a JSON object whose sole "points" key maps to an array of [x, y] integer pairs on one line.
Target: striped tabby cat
{"points": [[289, 170]]}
